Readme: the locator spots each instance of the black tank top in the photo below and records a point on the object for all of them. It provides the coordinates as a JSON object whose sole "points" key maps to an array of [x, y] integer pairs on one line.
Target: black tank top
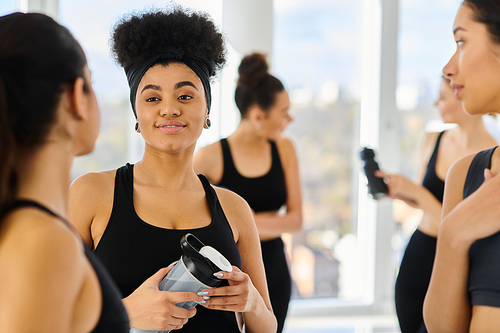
{"points": [[113, 315], [264, 193], [133, 250], [484, 254], [431, 181]]}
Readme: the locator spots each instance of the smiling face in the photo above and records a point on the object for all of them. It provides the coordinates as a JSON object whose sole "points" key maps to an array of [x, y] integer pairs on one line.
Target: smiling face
{"points": [[474, 69], [171, 107]]}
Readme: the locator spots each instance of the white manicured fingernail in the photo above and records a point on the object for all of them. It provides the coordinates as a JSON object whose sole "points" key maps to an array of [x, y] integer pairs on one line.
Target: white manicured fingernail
{"points": [[203, 293], [218, 274], [201, 302], [206, 298]]}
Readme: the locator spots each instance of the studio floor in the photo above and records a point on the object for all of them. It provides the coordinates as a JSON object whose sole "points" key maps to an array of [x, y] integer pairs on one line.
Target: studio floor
{"points": [[346, 324]]}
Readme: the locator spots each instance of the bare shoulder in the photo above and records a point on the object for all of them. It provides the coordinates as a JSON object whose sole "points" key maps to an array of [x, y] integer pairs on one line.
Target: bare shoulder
{"points": [[236, 209], [90, 204], [212, 148], [285, 144], [287, 151], [458, 170], [428, 144], [39, 240], [95, 188], [92, 181], [208, 161], [231, 202]]}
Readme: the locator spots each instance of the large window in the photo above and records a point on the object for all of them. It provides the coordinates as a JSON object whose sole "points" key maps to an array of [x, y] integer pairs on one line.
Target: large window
{"points": [[425, 45], [8, 6], [317, 54]]}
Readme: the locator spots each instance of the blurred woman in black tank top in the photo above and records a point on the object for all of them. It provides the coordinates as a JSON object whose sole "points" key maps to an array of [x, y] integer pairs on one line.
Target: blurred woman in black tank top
{"points": [[134, 217], [50, 282], [439, 152], [260, 164]]}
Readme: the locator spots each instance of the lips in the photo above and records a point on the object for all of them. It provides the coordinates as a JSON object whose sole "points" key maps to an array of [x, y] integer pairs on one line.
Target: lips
{"points": [[170, 127], [457, 88]]}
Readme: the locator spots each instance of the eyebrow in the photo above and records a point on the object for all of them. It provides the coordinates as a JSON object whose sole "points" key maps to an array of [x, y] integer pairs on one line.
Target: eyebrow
{"points": [[177, 86], [458, 29], [151, 86], [184, 83]]}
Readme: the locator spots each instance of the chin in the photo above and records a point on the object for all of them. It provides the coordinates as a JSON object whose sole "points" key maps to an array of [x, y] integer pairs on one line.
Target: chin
{"points": [[85, 151]]}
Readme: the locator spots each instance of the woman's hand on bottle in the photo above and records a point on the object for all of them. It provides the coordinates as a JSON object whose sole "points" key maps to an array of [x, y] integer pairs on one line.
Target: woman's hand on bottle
{"points": [[239, 296], [400, 187], [152, 309]]}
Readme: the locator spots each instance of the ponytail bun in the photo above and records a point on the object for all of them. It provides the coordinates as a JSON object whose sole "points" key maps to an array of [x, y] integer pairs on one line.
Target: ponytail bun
{"points": [[253, 70]]}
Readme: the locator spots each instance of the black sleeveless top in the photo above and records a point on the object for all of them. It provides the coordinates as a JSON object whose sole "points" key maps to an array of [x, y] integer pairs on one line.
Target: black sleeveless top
{"points": [[113, 316], [133, 250], [264, 193], [431, 181], [484, 254]]}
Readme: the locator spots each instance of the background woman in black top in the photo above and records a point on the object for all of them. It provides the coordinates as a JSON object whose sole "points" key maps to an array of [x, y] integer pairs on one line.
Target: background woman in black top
{"points": [[463, 294], [49, 281], [260, 164], [169, 58], [439, 152]]}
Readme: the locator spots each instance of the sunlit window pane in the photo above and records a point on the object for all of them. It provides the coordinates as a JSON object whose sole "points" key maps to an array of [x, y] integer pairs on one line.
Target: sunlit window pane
{"points": [[317, 54]]}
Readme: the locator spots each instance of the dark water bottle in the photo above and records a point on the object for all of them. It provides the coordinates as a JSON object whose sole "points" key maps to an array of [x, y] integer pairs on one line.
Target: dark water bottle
{"points": [[376, 185]]}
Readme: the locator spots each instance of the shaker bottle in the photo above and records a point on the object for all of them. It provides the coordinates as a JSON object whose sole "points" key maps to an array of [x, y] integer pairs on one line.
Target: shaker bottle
{"points": [[376, 185], [193, 272]]}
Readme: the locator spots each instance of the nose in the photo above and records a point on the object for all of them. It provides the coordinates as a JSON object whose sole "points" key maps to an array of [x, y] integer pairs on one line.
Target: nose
{"points": [[451, 68], [436, 102], [169, 109]]}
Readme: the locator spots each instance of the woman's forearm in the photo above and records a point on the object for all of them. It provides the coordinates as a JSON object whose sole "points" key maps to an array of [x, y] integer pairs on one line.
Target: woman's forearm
{"points": [[447, 307], [429, 204], [272, 225], [260, 319]]}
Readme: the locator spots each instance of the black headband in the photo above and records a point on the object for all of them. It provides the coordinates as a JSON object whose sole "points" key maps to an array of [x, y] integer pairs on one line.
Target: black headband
{"points": [[202, 67]]}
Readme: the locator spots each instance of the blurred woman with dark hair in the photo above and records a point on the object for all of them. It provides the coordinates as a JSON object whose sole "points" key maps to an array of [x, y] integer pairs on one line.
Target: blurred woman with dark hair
{"points": [[49, 281], [260, 164]]}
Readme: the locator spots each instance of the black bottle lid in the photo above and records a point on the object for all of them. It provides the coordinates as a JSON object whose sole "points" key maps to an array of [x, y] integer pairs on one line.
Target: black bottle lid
{"points": [[367, 153], [199, 266]]}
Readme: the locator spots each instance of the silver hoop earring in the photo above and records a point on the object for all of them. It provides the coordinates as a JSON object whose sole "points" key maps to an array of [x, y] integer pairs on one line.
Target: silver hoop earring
{"points": [[137, 128], [208, 123]]}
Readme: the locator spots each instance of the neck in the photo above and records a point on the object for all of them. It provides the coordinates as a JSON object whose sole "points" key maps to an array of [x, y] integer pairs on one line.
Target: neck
{"points": [[170, 171], [44, 177], [471, 132], [247, 135]]}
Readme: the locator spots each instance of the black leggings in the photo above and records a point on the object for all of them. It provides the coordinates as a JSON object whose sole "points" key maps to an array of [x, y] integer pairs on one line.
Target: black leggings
{"points": [[278, 278], [413, 280]]}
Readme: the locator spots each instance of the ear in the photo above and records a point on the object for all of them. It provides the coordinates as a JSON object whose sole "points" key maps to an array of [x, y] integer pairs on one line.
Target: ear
{"points": [[78, 102], [256, 115]]}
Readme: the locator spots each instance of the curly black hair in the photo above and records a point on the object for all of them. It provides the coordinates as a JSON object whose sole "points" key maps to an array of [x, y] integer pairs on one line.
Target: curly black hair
{"points": [[139, 36]]}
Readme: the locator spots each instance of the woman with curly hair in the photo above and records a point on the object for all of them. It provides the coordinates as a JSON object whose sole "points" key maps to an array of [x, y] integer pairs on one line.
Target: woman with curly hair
{"points": [[49, 281], [134, 217], [260, 164]]}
